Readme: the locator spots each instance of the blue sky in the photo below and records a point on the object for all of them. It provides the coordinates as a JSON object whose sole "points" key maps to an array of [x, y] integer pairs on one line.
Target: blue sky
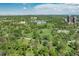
{"points": [[38, 9]]}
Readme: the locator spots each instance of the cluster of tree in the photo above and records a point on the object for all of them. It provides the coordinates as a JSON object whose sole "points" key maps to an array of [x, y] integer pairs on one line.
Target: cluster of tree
{"points": [[21, 37]]}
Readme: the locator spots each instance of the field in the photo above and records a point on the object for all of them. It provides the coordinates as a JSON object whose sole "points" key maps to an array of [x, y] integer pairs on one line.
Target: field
{"points": [[38, 36]]}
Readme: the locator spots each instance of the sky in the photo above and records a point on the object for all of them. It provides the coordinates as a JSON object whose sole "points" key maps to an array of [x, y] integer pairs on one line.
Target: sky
{"points": [[39, 1], [38, 9]]}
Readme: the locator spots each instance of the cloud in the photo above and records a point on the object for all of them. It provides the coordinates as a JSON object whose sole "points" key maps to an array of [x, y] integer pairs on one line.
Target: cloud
{"points": [[24, 8], [43, 6], [49, 9], [55, 9]]}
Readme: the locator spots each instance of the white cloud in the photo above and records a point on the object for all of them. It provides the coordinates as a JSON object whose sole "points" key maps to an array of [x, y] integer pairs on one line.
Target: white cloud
{"points": [[44, 6], [24, 8], [55, 9], [40, 1], [50, 9]]}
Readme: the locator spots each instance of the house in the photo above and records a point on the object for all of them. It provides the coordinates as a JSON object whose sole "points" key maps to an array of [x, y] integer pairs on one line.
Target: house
{"points": [[33, 18], [39, 21]]}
